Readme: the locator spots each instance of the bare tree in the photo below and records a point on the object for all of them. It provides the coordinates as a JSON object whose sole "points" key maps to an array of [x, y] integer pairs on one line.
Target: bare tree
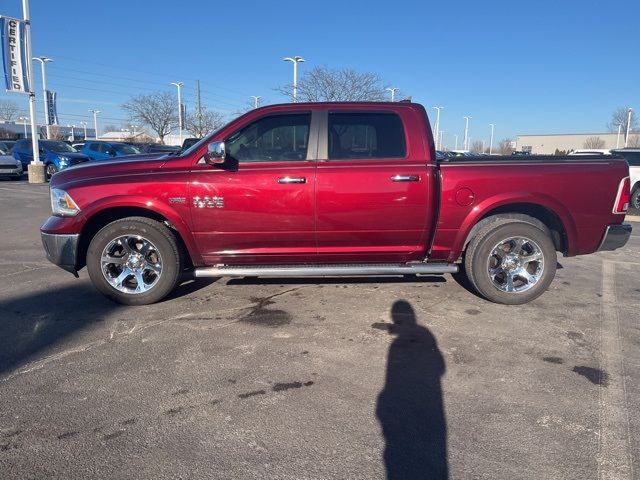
{"points": [[198, 124], [505, 147], [620, 116], [8, 110], [593, 142], [476, 146], [328, 85], [156, 110], [634, 141], [55, 133], [110, 128]]}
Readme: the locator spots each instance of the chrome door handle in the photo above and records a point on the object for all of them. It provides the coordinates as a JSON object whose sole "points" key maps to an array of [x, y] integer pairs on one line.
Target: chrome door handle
{"points": [[405, 178], [292, 180]]}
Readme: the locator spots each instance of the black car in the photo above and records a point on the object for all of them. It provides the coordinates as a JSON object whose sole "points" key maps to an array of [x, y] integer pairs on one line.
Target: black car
{"points": [[157, 148]]}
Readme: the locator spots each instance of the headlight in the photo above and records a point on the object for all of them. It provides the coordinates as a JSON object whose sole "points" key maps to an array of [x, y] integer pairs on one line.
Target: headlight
{"points": [[64, 162], [62, 204], [18, 164]]}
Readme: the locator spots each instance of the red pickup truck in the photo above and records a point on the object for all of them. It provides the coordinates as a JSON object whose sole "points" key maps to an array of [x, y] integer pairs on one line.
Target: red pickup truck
{"points": [[328, 189]]}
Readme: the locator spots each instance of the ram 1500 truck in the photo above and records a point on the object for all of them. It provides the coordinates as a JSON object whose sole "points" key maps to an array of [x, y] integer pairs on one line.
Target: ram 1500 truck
{"points": [[328, 189]]}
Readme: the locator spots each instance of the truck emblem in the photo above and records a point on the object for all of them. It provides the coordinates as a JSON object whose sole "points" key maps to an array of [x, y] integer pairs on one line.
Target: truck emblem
{"points": [[177, 200], [208, 202]]}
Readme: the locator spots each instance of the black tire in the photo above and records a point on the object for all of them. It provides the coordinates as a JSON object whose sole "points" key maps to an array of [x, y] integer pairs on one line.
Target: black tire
{"points": [[536, 258], [50, 170], [153, 261], [635, 199]]}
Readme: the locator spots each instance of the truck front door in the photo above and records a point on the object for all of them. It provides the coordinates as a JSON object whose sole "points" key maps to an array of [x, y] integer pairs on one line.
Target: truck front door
{"points": [[258, 207]]}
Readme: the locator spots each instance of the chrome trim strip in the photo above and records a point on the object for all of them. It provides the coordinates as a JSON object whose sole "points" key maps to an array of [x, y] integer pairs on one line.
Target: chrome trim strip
{"points": [[326, 270]]}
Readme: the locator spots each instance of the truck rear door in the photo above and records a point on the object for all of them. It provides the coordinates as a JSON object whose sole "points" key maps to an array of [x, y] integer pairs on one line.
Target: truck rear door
{"points": [[372, 188]]}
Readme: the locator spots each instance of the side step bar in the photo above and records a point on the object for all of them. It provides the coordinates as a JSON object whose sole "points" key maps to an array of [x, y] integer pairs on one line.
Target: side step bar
{"points": [[326, 270]]}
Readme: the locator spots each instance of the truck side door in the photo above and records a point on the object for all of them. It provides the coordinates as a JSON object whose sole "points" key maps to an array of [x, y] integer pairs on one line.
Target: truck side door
{"points": [[258, 207], [373, 186]]}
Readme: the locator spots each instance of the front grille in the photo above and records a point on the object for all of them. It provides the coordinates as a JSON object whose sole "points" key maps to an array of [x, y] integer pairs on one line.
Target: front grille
{"points": [[6, 168]]}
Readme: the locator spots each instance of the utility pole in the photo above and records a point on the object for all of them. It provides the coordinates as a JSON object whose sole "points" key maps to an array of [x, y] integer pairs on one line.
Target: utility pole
{"points": [[492, 125]]}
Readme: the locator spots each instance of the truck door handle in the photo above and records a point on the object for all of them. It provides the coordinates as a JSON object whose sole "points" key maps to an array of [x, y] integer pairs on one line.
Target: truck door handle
{"points": [[292, 180], [405, 178]]}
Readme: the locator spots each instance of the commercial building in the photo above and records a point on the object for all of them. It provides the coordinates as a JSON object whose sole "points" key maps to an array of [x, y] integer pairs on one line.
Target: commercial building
{"points": [[548, 144]]}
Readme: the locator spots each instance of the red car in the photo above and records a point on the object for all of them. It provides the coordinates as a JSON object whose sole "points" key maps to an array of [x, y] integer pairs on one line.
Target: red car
{"points": [[332, 189]]}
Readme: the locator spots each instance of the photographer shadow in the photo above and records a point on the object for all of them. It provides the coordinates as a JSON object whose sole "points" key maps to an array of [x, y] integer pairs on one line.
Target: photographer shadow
{"points": [[410, 407]]}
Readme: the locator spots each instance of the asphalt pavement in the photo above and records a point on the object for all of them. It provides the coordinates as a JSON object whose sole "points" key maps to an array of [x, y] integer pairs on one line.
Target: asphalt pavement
{"points": [[361, 378]]}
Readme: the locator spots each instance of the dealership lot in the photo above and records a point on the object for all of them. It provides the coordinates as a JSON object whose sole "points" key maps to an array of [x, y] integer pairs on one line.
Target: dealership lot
{"points": [[314, 378]]}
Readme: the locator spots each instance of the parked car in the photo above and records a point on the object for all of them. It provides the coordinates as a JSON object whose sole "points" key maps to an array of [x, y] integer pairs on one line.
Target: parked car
{"points": [[632, 156], [188, 143], [10, 167], [329, 189], [154, 148], [98, 150], [55, 155], [6, 146]]}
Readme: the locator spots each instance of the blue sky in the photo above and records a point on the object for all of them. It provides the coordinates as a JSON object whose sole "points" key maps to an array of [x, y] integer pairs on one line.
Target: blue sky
{"points": [[529, 67]]}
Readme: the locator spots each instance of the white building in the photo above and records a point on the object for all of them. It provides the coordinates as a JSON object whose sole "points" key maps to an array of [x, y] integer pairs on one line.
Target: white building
{"points": [[548, 144]]}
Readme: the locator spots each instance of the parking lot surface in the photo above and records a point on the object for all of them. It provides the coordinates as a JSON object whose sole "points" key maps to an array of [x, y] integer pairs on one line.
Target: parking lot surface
{"points": [[360, 378]]}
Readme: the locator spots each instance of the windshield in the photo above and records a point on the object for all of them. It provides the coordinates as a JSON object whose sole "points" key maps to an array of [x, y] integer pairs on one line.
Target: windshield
{"points": [[58, 147], [125, 149]]}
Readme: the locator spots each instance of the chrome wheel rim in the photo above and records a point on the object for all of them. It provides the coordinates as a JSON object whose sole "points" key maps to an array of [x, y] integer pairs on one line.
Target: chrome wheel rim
{"points": [[51, 170], [516, 264], [131, 264], [635, 201]]}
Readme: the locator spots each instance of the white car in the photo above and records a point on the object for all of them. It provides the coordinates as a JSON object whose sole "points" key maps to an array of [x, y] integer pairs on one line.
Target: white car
{"points": [[10, 167], [591, 151], [632, 156]]}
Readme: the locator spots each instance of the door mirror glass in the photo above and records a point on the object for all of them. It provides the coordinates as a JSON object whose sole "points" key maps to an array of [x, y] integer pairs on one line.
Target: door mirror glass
{"points": [[216, 153]]}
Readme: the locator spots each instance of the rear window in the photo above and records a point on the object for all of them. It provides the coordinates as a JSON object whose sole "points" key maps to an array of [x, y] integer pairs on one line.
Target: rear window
{"points": [[366, 135]]}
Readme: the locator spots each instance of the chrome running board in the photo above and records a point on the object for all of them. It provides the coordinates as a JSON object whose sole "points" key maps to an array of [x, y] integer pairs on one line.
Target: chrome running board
{"points": [[326, 270]]}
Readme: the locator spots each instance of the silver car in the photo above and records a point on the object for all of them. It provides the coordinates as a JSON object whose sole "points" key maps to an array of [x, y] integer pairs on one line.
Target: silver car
{"points": [[10, 167]]}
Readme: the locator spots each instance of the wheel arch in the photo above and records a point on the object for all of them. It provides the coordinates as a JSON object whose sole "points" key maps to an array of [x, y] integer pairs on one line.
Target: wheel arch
{"points": [[102, 217], [539, 215]]}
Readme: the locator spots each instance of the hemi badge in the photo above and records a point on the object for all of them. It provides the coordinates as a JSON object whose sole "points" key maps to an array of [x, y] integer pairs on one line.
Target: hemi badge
{"points": [[178, 200]]}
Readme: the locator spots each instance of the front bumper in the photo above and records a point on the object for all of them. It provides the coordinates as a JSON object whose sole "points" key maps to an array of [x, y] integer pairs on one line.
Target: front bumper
{"points": [[11, 172], [615, 236], [61, 250]]}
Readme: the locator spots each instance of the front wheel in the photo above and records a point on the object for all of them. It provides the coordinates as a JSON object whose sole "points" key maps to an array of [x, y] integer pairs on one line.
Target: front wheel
{"points": [[134, 261], [511, 262], [50, 170]]}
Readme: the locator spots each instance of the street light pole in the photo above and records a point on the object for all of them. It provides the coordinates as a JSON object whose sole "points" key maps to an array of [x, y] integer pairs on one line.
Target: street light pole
{"points": [[393, 91], [626, 138], [36, 165], [456, 141], [256, 100], [24, 123], [441, 135], [73, 135], [42, 61], [437, 125], [492, 125], [295, 60], [84, 124], [95, 121], [466, 132], [618, 137], [179, 85]]}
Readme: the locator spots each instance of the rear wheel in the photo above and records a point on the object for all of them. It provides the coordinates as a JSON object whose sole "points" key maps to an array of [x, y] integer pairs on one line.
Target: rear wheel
{"points": [[635, 198], [134, 261], [511, 262]]}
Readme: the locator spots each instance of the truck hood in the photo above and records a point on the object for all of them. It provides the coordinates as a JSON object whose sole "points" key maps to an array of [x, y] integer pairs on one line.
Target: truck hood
{"points": [[119, 166]]}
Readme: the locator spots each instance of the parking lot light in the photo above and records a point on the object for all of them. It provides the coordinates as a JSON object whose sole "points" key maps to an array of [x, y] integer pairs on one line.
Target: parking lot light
{"points": [[95, 122], [626, 137], [437, 135], [42, 61], [492, 125], [466, 132], [393, 91], [295, 60], [84, 125], [179, 85]]}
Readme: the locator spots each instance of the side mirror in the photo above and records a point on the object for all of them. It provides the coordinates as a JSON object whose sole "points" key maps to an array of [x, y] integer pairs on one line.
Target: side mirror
{"points": [[216, 153]]}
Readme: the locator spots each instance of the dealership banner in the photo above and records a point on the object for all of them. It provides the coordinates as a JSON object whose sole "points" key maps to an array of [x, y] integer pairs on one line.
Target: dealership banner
{"points": [[52, 111], [14, 60]]}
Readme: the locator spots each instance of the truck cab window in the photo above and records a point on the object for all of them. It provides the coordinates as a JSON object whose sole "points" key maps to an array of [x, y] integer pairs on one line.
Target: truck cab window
{"points": [[365, 135], [271, 139]]}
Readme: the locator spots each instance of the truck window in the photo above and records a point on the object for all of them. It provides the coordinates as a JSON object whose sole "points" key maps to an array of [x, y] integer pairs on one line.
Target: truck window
{"points": [[271, 139], [366, 135]]}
